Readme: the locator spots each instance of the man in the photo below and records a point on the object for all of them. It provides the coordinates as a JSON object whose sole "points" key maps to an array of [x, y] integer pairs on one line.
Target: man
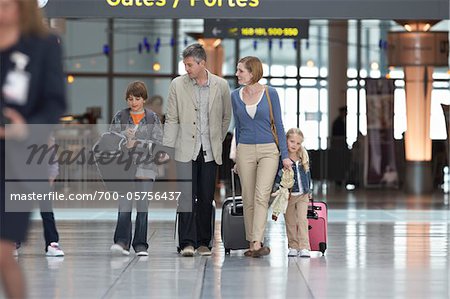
{"points": [[197, 119], [339, 124], [155, 103], [339, 148]]}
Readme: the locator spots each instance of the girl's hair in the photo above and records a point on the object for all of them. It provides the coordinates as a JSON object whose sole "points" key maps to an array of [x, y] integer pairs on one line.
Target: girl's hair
{"points": [[301, 153]]}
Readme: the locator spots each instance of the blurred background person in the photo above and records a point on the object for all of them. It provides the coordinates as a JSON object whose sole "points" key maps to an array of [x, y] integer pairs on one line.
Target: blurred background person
{"points": [[32, 91], [156, 104], [339, 153]]}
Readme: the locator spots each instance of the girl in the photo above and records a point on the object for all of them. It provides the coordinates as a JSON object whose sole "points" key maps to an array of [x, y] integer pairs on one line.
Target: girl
{"points": [[296, 212]]}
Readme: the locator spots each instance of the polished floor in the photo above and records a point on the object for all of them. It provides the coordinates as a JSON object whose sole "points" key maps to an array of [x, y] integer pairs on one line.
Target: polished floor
{"points": [[382, 244]]}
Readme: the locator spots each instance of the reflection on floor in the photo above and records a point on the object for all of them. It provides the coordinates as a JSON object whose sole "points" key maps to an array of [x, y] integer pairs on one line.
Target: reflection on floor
{"points": [[381, 245]]}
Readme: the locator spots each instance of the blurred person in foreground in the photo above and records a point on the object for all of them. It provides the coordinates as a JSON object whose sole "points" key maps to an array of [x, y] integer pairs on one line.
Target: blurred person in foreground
{"points": [[32, 92]]}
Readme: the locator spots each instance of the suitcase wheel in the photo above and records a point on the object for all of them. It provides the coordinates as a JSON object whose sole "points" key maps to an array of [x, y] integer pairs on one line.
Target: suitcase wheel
{"points": [[227, 251], [322, 247]]}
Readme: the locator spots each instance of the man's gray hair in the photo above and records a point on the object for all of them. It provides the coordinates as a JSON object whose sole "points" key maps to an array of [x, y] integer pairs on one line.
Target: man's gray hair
{"points": [[195, 51]]}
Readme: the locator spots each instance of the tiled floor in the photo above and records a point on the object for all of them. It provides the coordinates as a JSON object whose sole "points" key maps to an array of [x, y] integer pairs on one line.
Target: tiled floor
{"points": [[381, 245]]}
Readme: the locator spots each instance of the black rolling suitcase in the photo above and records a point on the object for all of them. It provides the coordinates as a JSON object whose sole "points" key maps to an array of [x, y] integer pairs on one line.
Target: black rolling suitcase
{"points": [[233, 228]]}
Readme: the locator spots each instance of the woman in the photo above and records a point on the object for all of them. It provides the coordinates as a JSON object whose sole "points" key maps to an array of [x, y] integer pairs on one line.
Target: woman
{"points": [[32, 91], [143, 129], [257, 153]]}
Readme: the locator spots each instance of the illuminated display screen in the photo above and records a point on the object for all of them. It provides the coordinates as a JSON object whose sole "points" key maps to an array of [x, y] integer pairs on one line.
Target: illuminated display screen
{"points": [[272, 28]]}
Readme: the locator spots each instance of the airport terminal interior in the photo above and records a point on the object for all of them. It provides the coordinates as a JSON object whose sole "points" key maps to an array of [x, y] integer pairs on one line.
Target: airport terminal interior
{"points": [[388, 216]]}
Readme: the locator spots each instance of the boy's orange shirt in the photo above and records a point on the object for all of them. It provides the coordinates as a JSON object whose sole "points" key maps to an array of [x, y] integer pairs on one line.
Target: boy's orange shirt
{"points": [[137, 117]]}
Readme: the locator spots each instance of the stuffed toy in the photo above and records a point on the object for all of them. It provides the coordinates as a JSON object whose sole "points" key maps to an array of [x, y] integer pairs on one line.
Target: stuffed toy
{"points": [[280, 202]]}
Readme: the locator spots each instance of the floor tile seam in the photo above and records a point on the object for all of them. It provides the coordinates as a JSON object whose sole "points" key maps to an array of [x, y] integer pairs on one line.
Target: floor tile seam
{"points": [[303, 277], [200, 279], [109, 292]]}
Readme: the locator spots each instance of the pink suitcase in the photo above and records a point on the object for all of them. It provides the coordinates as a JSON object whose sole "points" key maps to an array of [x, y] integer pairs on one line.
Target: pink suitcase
{"points": [[317, 224]]}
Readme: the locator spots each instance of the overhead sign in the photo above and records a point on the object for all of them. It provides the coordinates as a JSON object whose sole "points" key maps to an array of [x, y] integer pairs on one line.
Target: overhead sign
{"points": [[250, 9], [268, 28]]}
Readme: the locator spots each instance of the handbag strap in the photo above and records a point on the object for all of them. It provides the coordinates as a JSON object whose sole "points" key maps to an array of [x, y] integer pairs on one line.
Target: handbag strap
{"points": [[272, 121]]}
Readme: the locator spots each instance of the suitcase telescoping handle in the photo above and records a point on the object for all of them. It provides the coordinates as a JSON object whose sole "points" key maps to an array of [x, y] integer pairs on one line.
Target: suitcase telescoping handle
{"points": [[313, 207], [233, 190], [312, 214]]}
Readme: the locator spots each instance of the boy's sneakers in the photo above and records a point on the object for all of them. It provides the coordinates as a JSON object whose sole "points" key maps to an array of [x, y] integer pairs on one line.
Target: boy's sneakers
{"points": [[304, 253], [141, 251], [293, 252], [117, 249], [54, 250]]}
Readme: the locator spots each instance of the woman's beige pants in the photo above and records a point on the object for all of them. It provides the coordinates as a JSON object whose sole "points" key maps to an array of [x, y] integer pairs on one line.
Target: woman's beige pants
{"points": [[257, 166]]}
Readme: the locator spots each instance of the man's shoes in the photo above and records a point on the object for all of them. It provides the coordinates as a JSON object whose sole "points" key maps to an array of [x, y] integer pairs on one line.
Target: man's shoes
{"points": [[117, 250], [54, 250], [204, 251], [188, 251]]}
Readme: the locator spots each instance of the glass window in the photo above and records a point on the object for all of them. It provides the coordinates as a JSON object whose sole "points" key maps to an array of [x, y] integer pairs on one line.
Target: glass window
{"points": [[399, 113], [438, 129], [309, 116], [351, 115], [83, 44], [315, 49], [288, 104], [323, 136], [257, 47], [283, 54], [370, 37], [352, 45], [441, 73], [229, 64], [186, 32], [87, 92], [363, 112], [143, 46]]}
